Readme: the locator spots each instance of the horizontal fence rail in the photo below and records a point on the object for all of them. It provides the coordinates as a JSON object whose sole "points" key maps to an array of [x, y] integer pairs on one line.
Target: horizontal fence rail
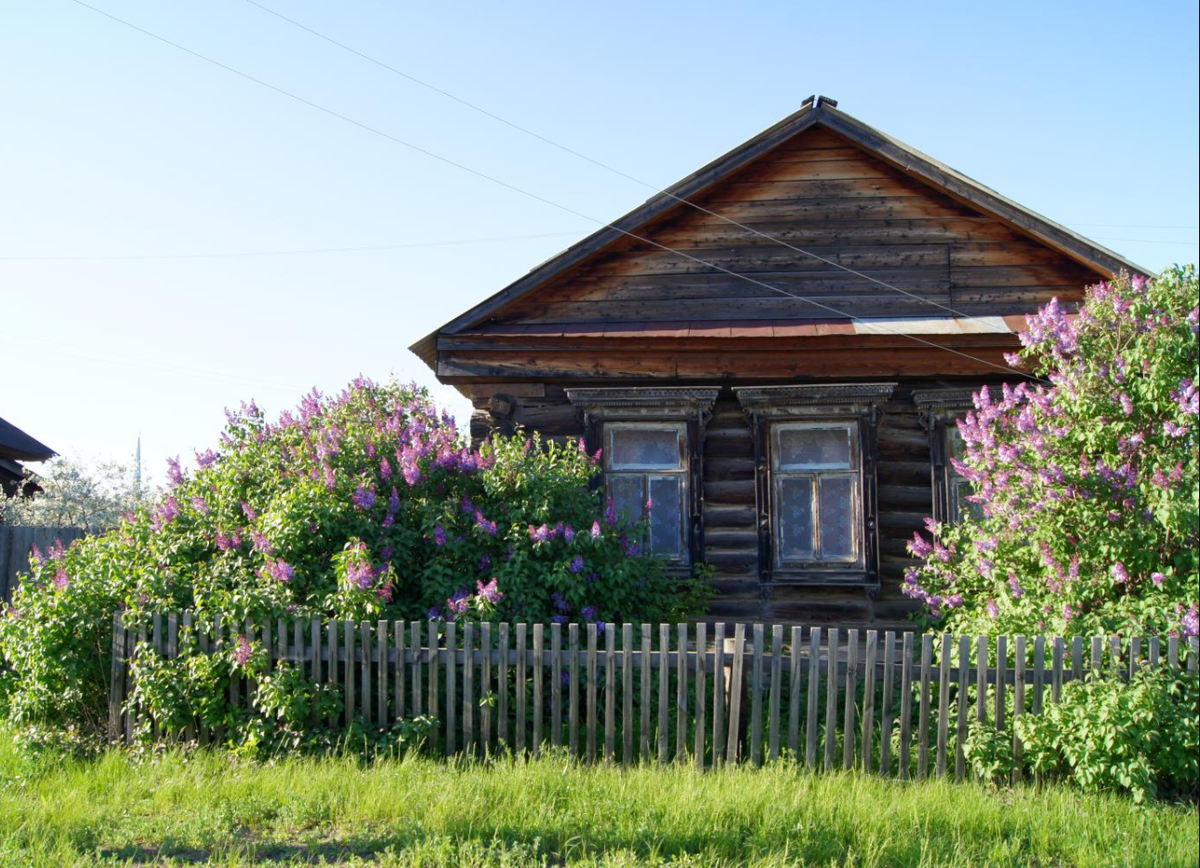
{"points": [[896, 704]]}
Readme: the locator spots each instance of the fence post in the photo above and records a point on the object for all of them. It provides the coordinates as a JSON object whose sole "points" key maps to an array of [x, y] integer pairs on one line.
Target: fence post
{"points": [[116, 687]]}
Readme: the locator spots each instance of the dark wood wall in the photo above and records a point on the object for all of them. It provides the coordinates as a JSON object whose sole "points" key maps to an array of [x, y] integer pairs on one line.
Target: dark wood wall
{"points": [[731, 540]]}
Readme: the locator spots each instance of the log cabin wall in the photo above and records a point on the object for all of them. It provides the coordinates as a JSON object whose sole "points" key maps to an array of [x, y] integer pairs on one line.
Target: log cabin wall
{"points": [[729, 510]]}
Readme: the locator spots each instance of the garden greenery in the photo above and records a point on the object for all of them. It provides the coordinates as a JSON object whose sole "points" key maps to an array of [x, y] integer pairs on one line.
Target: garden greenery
{"points": [[1086, 481], [364, 505]]}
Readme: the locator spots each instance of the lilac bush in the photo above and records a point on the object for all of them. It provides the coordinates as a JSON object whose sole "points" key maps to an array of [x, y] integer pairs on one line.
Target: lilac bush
{"points": [[1086, 479], [364, 505]]}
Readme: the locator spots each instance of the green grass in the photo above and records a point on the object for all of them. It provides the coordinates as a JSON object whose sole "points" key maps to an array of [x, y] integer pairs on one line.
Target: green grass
{"points": [[209, 807]]}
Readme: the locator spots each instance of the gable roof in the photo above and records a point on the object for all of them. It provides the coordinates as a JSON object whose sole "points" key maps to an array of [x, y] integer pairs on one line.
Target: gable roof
{"points": [[15, 443], [815, 112]]}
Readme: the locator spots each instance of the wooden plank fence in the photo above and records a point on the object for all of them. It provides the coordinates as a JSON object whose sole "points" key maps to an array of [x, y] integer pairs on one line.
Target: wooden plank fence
{"points": [[16, 543], [629, 693]]}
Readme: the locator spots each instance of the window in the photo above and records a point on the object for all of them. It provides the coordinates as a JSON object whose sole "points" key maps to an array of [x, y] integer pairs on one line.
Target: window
{"points": [[940, 411], [816, 477], [651, 439], [646, 468], [815, 460]]}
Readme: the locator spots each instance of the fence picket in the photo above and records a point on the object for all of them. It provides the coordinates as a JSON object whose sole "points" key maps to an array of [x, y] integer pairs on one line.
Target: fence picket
{"points": [[415, 629], [776, 688], [451, 687], [1001, 679], [1039, 672], [885, 711], [814, 684], [644, 753], [981, 678], [701, 684], [868, 714], [381, 674], [923, 708], [735, 694], [573, 689], [539, 664], [1077, 658], [960, 735], [468, 686], [794, 693], [850, 709], [591, 692], [485, 687], [431, 660], [116, 688], [664, 677], [906, 706], [756, 696], [610, 691], [681, 680], [943, 723], [626, 694], [719, 694], [348, 634], [522, 681], [331, 664], [831, 690], [1018, 748], [401, 668], [556, 672]]}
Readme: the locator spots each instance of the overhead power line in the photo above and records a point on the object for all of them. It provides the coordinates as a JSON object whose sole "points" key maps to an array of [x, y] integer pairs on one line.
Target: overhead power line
{"points": [[537, 197]]}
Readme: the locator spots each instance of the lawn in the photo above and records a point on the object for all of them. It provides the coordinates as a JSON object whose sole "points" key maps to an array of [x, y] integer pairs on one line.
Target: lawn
{"points": [[208, 807]]}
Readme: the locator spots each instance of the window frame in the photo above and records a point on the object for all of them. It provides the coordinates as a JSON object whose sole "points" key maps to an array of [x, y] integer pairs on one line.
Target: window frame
{"points": [[857, 406], [647, 473], [780, 472], [607, 408]]}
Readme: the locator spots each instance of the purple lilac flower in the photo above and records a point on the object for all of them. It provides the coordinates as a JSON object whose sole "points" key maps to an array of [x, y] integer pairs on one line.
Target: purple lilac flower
{"points": [[540, 534], [61, 580], [490, 592], [1119, 573], [360, 574], [280, 570], [1158, 579], [200, 504], [174, 472], [248, 511], [992, 608], [1189, 624], [482, 522], [385, 468], [568, 534], [588, 613], [1173, 430], [439, 535], [206, 458], [629, 547], [610, 513], [434, 613], [577, 565], [261, 543], [560, 602], [243, 653], [595, 530], [919, 547], [1014, 585], [458, 604], [168, 510], [485, 563], [364, 498], [1126, 404], [1068, 612]]}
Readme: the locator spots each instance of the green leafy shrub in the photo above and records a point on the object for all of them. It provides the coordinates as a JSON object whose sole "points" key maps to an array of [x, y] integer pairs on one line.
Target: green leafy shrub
{"points": [[1140, 737], [363, 505], [1087, 483]]}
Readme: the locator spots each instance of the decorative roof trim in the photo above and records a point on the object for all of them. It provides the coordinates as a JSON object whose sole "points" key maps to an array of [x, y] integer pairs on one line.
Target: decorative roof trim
{"points": [[815, 400], [665, 399], [948, 399]]}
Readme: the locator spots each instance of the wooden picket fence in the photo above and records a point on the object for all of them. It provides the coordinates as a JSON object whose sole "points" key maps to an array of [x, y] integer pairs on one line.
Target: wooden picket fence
{"points": [[699, 693]]}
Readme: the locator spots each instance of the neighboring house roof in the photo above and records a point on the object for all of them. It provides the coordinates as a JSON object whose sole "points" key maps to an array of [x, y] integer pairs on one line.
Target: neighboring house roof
{"points": [[15, 443], [818, 112]]}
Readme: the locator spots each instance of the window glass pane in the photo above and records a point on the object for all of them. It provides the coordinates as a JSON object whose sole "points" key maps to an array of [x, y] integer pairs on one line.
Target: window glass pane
{"points": [[645, 447], [815, 447], [795, 517], [960, 507], [666, 516], [626, 491], [837, 517], [958, 448]]}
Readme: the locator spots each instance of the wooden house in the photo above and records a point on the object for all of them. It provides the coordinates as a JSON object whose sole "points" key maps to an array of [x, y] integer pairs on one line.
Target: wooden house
{"points": [[773, 351]]}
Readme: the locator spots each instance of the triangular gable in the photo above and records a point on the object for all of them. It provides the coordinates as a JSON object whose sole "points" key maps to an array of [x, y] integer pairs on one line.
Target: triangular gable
{"points": [[815, 176]]}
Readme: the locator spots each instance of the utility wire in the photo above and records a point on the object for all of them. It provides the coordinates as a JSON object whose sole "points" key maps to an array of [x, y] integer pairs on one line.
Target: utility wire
{"points": [[681, 200], [238, 254], [479, 174]]}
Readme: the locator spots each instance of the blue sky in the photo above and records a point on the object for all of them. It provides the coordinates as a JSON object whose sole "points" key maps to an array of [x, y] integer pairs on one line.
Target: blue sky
{"points": [[115, 146]]}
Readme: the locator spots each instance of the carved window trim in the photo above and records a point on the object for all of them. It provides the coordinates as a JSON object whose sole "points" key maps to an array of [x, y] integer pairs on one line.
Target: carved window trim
{"points": [[856, 404], [940, 409], [691, 407]]}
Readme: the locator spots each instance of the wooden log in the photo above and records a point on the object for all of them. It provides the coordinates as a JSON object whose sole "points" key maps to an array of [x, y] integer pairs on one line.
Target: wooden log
{"points": [[610, 691], [539, 671], [868, 715], [664, 679], [906, 655], [468, 687], [700, 689], [503, 730], [591, 692], [116, 682], [719, 693], [848, 714], [814, 686], [831, 691], [776, 689], [1018, 749], [885, 711], [681, 682], [733, 741], [626, 694], [756, 696], [644, 662], [521, 686], [556, 671], [943, 723]]}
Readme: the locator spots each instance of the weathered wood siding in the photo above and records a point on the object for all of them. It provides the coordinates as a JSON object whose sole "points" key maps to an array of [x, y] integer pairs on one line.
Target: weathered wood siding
{"points": [[730, 526], [823, 194]]}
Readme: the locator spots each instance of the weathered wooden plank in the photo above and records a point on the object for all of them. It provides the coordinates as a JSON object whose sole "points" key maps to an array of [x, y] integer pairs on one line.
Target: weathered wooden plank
{"points": [[831, 692], [433, 666], [943, 722], [503, 727], [776, 688], [468, 687], [381, 673], [964, 682], [814, 686], [664, 677], [644, 673], [794, 673], [1039, 672], [331, 668], [924, 708], [417, 691], [756, 695], [1018, 749], [522, 721], [189, 732], [401, 668], [349, 632], [848, 714], [626, 694], [906, 655], [868, 714], [591, 692], [364, 662], [556, 673], [700, 687], [573, 689], [1056, 677], [539, 670], [610, 691], [885, 712], [681, 691], [1001, 680], [733, 742], [1077, 658], [1097, 656], [720, 693], [116, 684]]}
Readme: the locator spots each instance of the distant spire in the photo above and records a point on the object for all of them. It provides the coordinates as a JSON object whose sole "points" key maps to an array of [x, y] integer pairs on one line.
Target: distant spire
{"points": [[137, 464]]}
